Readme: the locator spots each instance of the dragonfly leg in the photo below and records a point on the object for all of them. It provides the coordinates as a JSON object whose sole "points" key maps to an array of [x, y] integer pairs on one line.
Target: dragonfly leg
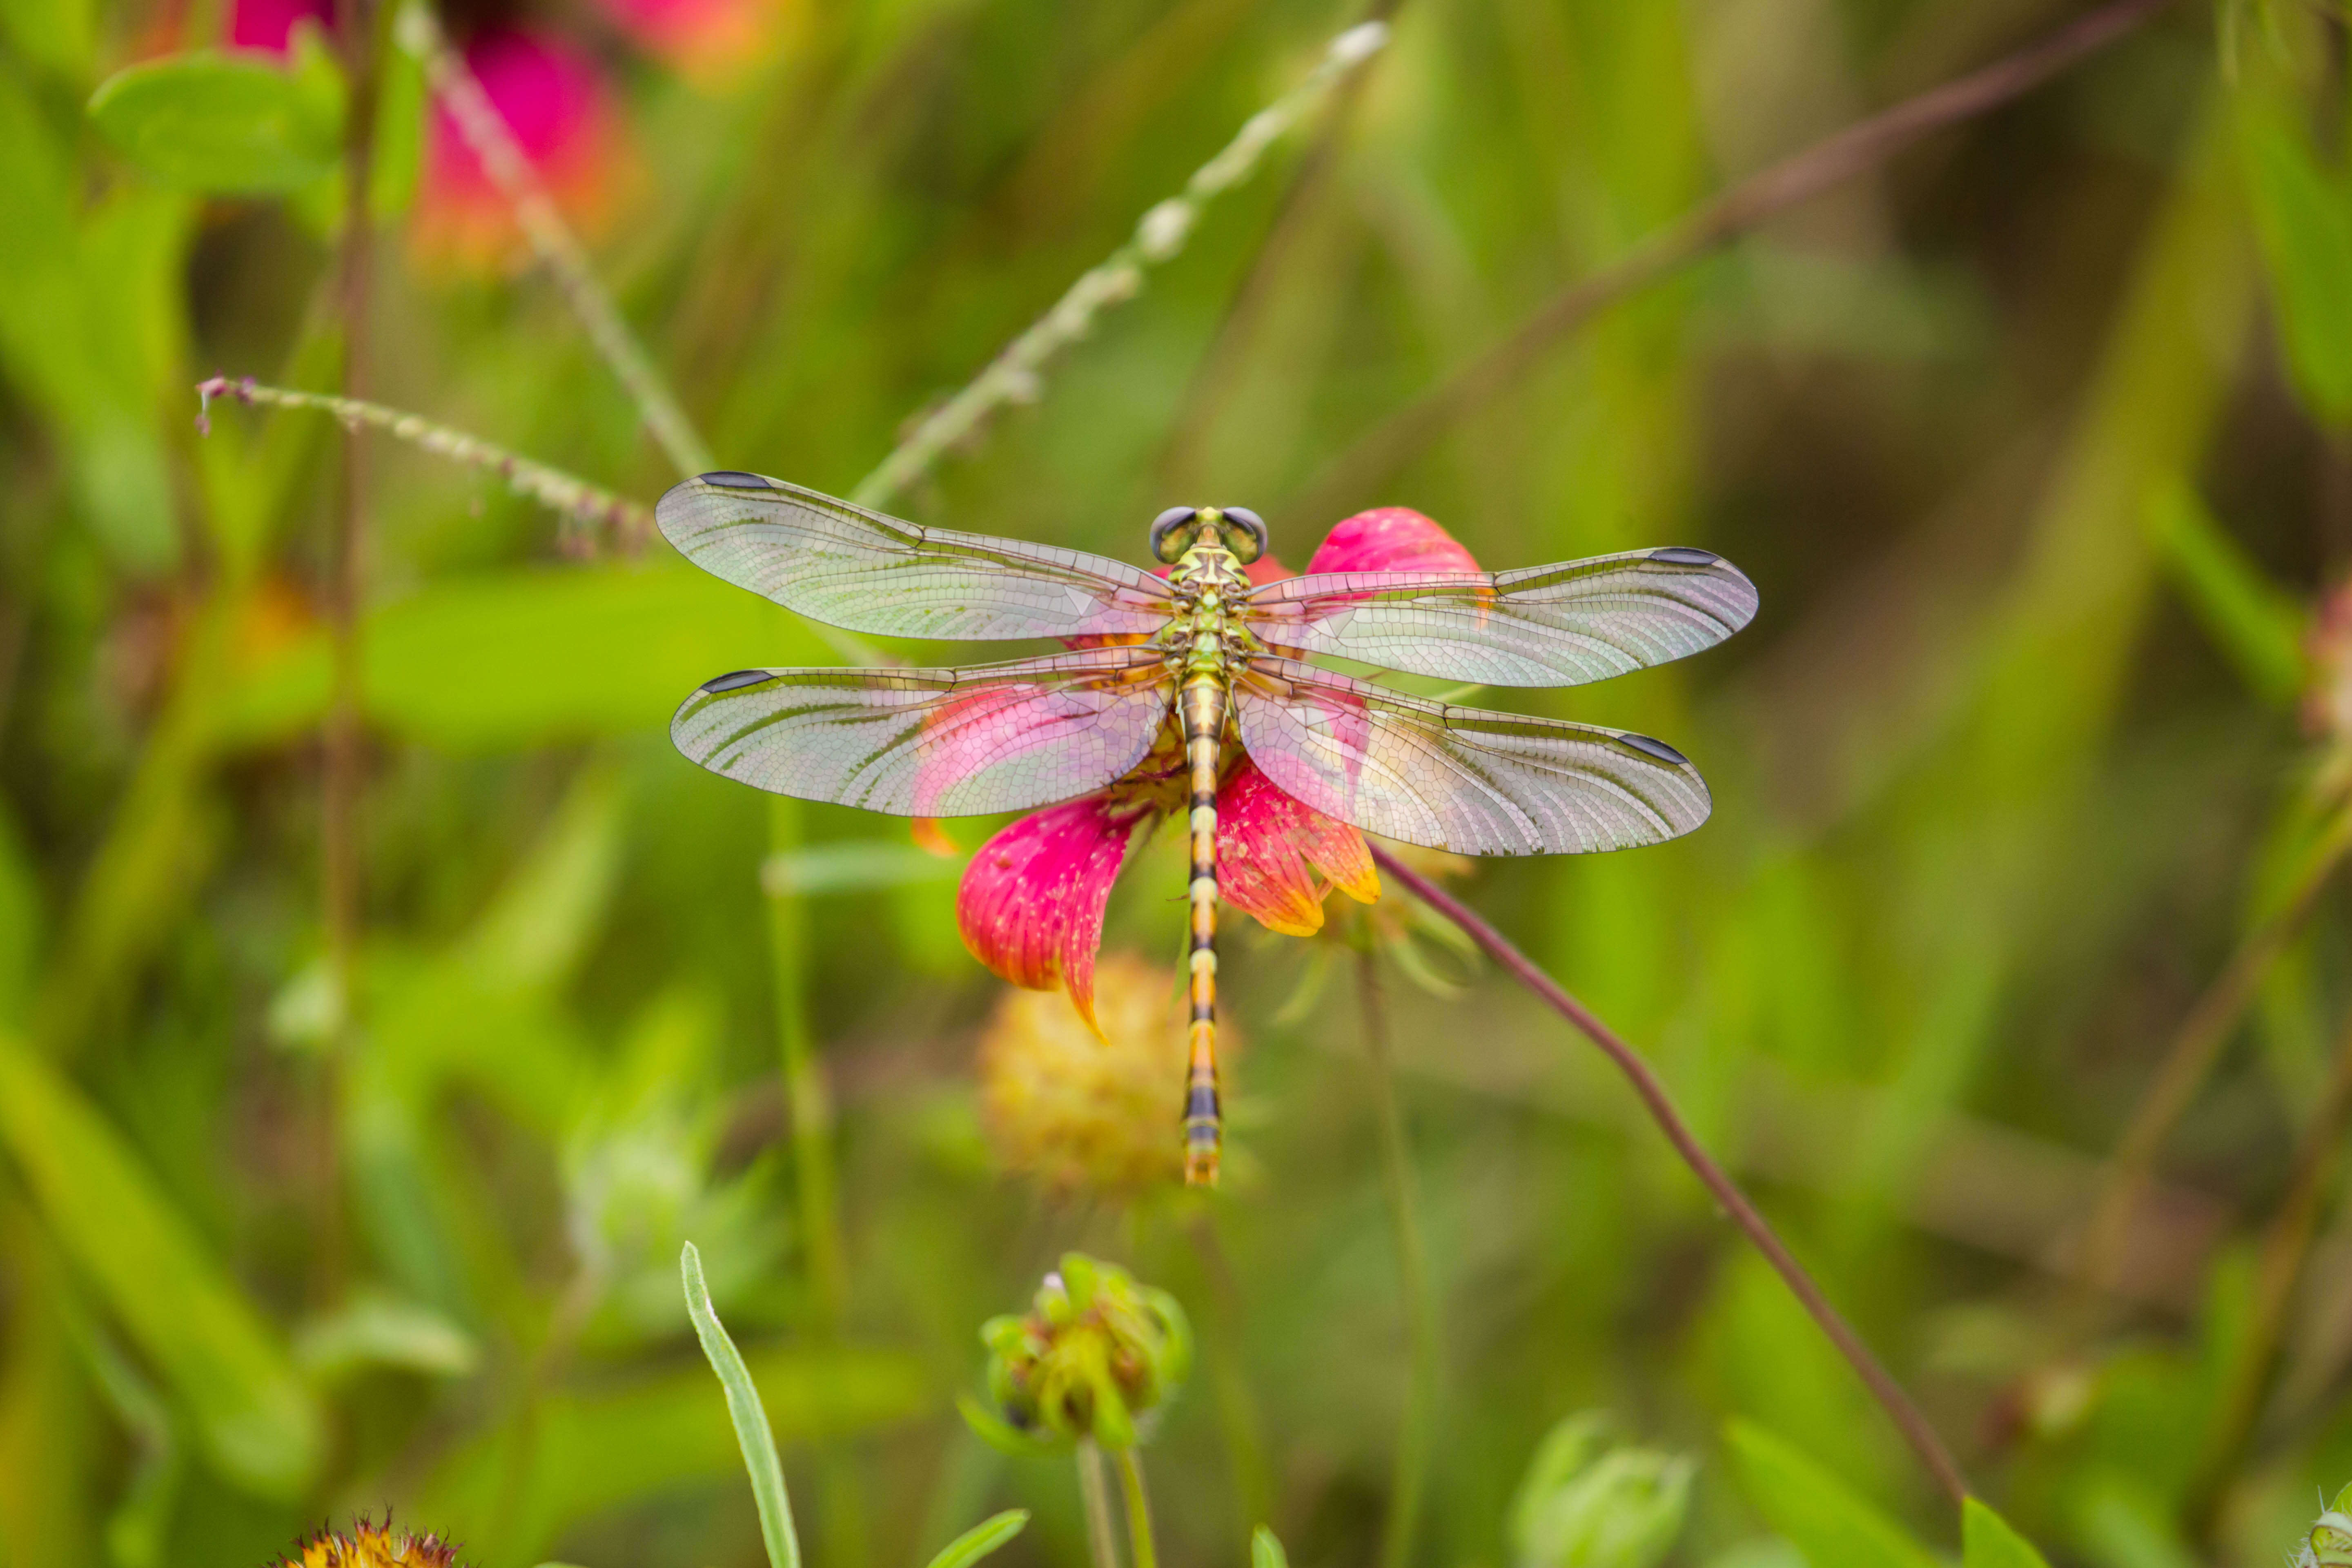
{"points": [[1205, 724]]}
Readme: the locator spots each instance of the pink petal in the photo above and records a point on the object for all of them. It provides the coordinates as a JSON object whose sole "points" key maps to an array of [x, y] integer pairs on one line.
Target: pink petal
{"points": [[1389, 539], [1267, 844], [1031, 904], [556, 105], [270, 24]]}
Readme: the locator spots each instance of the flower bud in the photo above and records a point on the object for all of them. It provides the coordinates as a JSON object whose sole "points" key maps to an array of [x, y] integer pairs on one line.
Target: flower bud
{"points": [[1095, 1355], [1588, 1502], [2329, 1544]]}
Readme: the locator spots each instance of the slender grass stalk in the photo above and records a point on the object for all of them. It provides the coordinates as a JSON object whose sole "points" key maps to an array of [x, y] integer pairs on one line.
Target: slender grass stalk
{"points": [[743, 1407], [573, 497], [1859, 148], [1139, 1508], [2286, 1248], [1408, 1475], [2189, 1058], [1094, 1493], [542, 224], [1014, 375], [1906, 1417]]}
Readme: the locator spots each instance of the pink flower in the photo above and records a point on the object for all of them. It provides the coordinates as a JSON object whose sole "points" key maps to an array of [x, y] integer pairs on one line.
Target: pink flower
{"points": [[1032, 902], [560, 111], [268, 24]]}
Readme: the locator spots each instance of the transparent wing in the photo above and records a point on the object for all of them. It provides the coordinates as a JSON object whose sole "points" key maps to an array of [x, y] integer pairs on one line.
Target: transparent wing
{"points": [[850, 567], [1460, 778], [1545, 625], [932, 743]]}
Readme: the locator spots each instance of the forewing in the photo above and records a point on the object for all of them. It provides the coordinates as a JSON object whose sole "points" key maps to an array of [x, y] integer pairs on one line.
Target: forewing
{"points": [[932, 743], [1460, 778], [849, 567], [1545, 625]]}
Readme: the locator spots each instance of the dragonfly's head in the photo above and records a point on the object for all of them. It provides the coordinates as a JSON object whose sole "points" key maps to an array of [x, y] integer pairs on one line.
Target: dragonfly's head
{"points": [[1181, 528]]}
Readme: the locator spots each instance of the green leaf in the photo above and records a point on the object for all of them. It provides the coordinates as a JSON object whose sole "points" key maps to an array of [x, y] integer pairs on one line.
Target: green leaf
{"points": [[530, 656], [981, 1539], [759, 1444], [1834, 1527], [2303, 215], [1265, 1552], [220, 123], [2257, 625], [252, 1416], [1988, 1542], [378, 1330]]}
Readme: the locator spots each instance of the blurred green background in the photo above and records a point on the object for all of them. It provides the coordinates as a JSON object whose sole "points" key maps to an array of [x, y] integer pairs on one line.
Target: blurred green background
{"points": [[2037, 438]]}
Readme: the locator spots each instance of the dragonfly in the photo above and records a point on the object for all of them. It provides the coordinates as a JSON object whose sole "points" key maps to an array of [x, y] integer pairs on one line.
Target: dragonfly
{"points": [[1224, 662]]}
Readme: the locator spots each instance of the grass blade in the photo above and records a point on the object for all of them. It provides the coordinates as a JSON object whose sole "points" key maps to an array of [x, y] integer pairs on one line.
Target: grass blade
{"points": [[1265, 1552], [750, 1420], [981, 1539]]}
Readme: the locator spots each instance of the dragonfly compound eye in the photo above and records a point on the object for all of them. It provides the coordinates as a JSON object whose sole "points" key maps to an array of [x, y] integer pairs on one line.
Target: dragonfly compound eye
{"points": [[1246, 538], [1167, 543]]}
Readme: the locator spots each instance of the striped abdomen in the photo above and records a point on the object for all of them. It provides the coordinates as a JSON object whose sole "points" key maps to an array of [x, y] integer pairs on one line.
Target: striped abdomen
{"points": [[1203, 708]]}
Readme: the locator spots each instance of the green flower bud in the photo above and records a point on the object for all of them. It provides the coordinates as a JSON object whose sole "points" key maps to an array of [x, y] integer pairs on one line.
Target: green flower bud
{"points": [[1095, 1355], [1588, 1502], [2330, 1545]]}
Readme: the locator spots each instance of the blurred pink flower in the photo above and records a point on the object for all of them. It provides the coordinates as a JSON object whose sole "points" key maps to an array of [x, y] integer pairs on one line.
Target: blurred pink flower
{"points": [[558, 107], [1032, 902], [268, 24]]}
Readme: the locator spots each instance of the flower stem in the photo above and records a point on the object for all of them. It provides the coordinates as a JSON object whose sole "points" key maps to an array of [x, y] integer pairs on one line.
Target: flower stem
{"points": [[1407, 1472], [1102, 1539], [341, 781], [1744, 1214], [1139, 1508], [493, 145]]}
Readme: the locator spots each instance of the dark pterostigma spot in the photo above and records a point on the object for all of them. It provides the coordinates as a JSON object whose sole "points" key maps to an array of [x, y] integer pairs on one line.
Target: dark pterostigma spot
{"points": [[741, 678], [736, 478], [1641, 744], [1680, 555]]}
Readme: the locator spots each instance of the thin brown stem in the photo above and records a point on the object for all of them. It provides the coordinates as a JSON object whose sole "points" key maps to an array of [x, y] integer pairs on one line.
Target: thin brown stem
{"points": [[340, 784], [2287, 1247], [1827, 163], [1744, 1214], [2189, 1058]]}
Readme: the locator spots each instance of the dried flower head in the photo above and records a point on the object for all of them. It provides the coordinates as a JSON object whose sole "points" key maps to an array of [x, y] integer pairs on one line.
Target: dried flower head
{"points": [[1096, 1353], [371, 1545], [1080, 1113]]}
